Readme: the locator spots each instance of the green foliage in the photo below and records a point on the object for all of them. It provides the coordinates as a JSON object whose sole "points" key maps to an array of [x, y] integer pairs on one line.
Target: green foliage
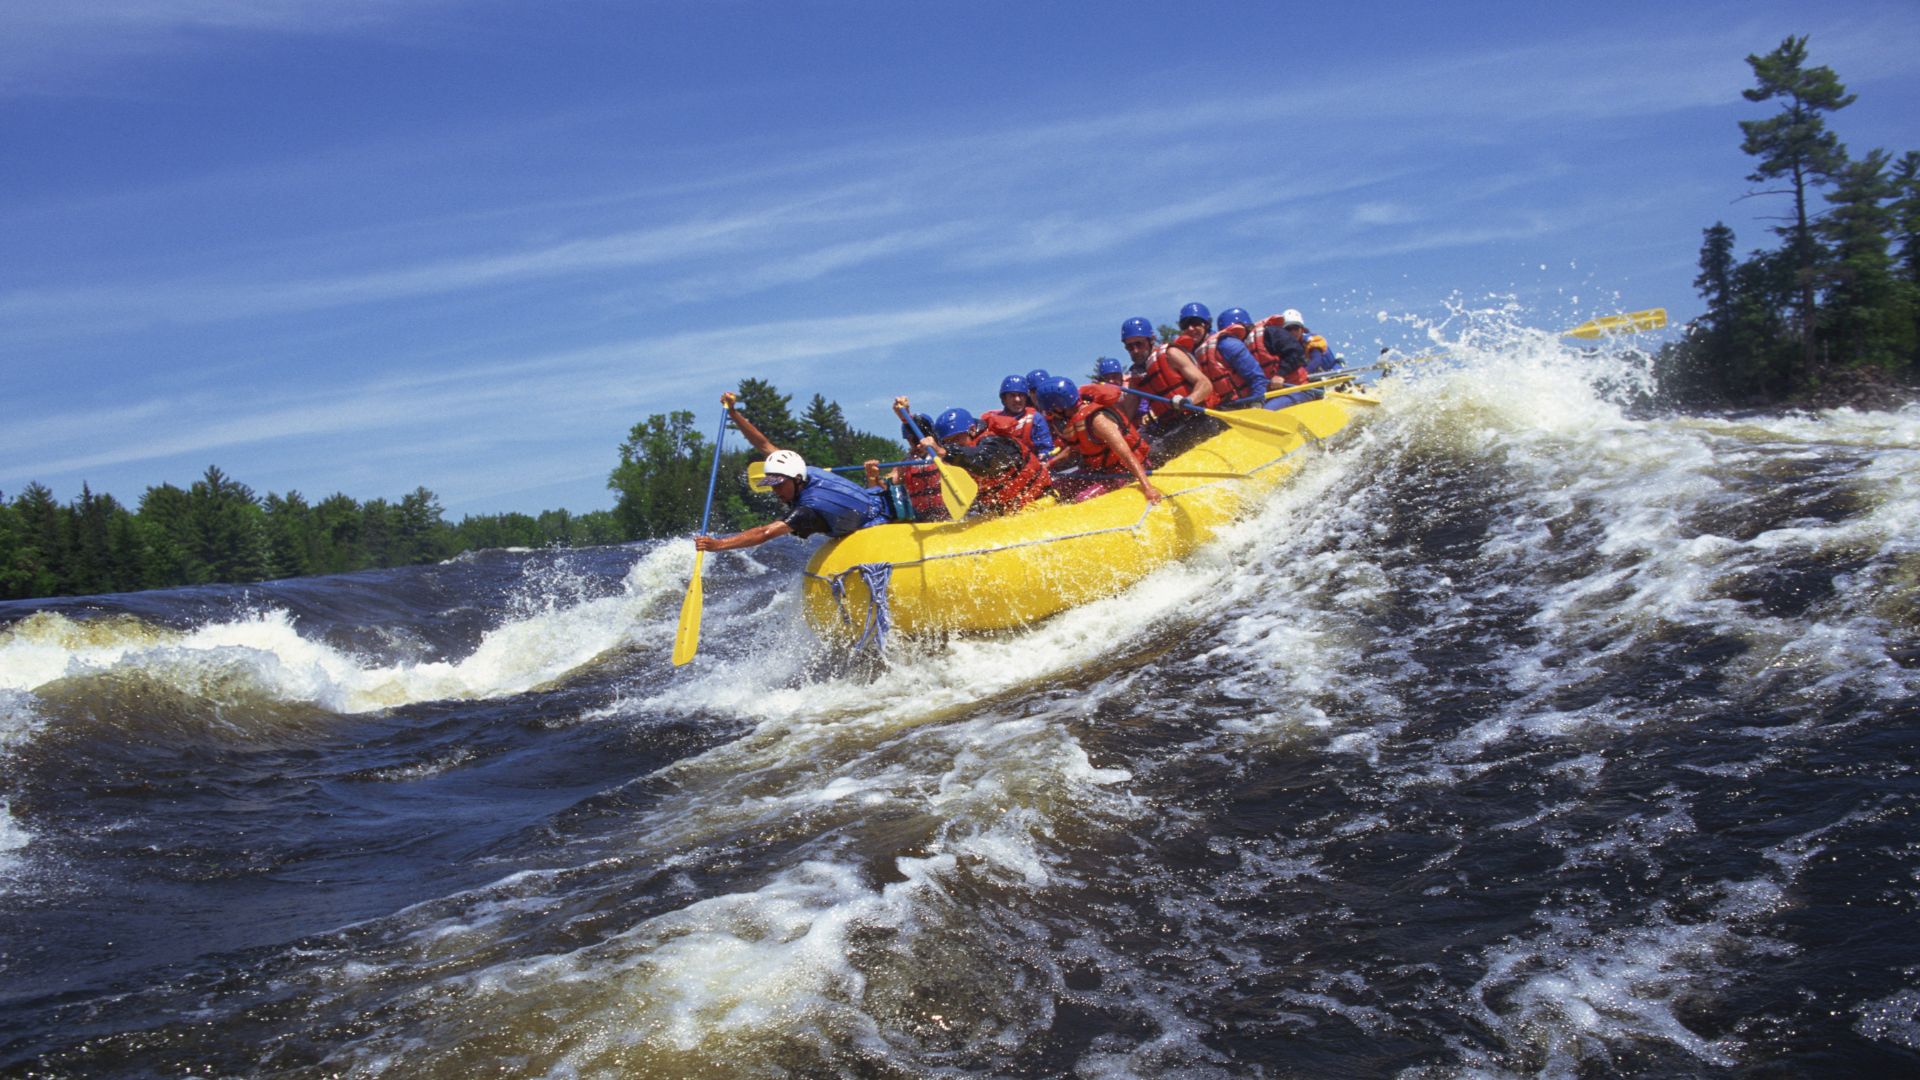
{"points": [[219, 531], [1794, 145], [1868, 316], [1842, 292], [661, 481]]}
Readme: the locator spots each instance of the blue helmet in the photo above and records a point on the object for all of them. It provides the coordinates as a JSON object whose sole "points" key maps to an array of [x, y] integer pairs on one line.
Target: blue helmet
{"points": [[1107, 365], [951, 423], [1014, 384], [1035, 378], [1137, 327], [1196, 310], [1058, 394], [1234, 316]]}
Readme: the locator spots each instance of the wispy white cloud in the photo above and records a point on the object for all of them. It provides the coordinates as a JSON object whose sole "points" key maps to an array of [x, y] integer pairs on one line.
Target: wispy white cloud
{"points": [[75, 47], [552, 391]]}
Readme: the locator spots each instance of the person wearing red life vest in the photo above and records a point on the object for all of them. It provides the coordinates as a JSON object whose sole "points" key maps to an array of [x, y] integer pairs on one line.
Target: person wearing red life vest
{"points": [[1114, 373], [1279, 352], [1223, 357], [1166, 370], [919, 483], [1285, 335], [1095, 433], [1007, 473], [1195, 323], [1169, 372], [1017, 418]]}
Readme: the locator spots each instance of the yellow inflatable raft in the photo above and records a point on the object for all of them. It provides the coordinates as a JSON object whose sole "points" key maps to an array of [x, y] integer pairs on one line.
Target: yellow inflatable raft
{"points": [[1000, 573]]}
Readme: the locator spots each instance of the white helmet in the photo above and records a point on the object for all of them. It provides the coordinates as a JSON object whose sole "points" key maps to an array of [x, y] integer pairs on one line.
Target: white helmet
{"points": [[786, 463], [1291, 317]]}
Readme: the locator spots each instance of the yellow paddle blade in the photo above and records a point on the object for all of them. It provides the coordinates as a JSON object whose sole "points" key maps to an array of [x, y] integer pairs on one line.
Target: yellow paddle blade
{"points": [[686, 640], [1317, 384], [1631, 323], [757, 476], [1262, 422], [957, 490]]}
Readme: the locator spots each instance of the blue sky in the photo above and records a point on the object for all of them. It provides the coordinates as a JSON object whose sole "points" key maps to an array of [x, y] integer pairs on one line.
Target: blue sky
{"points": [[369, 245]]}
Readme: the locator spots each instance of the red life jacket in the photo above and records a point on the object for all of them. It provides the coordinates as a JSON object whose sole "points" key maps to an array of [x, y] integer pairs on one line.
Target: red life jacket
{"points": [[1076, 433], [1227, 383], [1161, 378], [1269, 363], [1018, 428], [1015, 488], [922, 484]]}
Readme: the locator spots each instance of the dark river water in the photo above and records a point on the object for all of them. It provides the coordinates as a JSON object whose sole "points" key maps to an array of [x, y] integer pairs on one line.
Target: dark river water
{"points": [[1521, 735]]}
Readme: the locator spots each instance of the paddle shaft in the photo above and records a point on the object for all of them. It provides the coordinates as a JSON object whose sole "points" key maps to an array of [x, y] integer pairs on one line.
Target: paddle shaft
{"points": [[713, 474], [956, 501], [686, 637], [1255, 419]]}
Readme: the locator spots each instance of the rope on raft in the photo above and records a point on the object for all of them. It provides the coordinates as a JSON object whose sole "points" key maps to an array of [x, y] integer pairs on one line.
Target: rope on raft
{"points": [[878, 620]]}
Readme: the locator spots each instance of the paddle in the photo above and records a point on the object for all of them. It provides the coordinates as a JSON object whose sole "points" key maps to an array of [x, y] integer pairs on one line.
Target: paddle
{"points": [[1266, 423], [957, 488], [1348, 375], [686, 640], [1633, 322], [757, 470]]}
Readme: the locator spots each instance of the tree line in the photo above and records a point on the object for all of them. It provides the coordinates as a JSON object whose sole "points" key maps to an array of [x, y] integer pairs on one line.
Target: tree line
{"points": [[1839, 296], [218, 530]]}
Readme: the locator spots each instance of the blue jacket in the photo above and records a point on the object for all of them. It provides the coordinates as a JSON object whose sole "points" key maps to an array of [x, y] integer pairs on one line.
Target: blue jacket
{"points": [[1241, 361], [844, 505]]}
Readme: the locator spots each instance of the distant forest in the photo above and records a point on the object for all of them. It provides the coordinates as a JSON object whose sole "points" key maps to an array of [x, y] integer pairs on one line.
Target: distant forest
{"points": [[1838, 300], [218, 530]]}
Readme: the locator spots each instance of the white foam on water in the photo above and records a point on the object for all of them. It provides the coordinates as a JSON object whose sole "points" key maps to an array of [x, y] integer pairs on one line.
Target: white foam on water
{"points": [[264, 654], [1637, 486], [18, 721], [13, 839], [1892, 1019]]}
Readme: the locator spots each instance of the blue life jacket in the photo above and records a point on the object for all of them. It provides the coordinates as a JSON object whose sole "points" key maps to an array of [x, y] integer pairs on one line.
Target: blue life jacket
{"points": [[845, 505]]}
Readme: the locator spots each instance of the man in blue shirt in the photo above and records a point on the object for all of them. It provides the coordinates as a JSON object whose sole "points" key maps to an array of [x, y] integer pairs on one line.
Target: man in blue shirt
{"points": [[817, 500]]}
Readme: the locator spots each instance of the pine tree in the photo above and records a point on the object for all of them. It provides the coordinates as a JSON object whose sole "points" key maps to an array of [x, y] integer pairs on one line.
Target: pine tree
{"points": [[289, 531], [1867, 313], [825, 435], [24, 570], [1796, 146], [173, 559], [419, 532], [770, 411], [1906, 233], [91, 569], [338, 527], [227, 532]]}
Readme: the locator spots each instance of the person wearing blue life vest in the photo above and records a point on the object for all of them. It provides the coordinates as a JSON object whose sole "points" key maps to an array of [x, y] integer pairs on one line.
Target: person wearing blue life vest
{"points": [[817, 500]]}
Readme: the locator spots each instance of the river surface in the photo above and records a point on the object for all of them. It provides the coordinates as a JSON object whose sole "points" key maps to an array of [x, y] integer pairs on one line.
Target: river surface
{"points": [[1523, 734]]}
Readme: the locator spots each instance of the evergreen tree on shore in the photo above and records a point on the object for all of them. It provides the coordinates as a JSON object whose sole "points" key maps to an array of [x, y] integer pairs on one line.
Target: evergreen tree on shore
{"points": [[1840, 296], [1794, 145]]}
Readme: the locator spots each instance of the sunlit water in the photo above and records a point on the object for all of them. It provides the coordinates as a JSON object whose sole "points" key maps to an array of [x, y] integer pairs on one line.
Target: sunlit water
{"points": [[1520, 735]]}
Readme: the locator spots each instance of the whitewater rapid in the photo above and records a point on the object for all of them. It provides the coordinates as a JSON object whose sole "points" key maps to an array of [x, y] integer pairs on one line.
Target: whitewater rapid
{"points": [[1512, 736]]}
